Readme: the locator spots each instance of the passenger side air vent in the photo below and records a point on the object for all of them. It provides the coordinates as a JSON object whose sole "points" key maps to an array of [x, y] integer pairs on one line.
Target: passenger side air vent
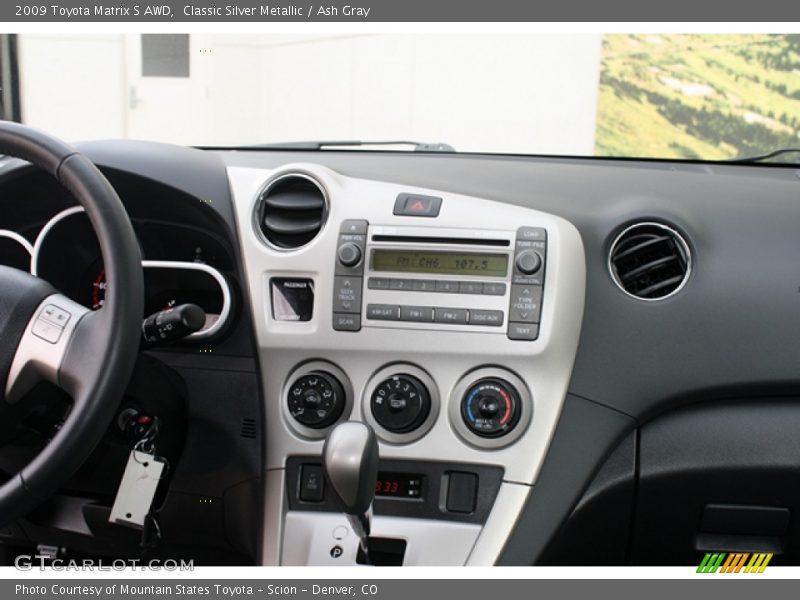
{"points": [[650, 261], [291, 211]]}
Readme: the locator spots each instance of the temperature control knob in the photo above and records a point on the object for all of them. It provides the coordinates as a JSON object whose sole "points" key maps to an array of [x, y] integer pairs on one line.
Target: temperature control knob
{"points": [[490, 407], [400, 403], [316, 400]]}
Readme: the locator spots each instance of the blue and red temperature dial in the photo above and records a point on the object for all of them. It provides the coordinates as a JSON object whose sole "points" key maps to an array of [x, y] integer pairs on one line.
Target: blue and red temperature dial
{"points": [[490, 407]]}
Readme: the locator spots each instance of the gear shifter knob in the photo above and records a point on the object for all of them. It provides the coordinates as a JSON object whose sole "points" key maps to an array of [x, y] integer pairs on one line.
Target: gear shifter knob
{"points": [[350, 461]]}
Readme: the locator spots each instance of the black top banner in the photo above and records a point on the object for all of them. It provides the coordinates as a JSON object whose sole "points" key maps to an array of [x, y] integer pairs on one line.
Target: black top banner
{"points": [[243, 11]]}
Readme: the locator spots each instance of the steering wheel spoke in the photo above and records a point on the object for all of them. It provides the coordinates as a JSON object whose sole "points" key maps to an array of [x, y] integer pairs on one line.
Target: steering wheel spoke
{"points": [[42, 349]]}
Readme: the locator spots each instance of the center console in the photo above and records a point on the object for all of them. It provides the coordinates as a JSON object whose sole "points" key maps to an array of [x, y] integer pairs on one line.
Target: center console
{"points": [[449, 324]]}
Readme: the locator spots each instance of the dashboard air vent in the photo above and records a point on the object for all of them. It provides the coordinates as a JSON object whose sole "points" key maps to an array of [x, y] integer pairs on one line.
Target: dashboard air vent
{"points": [[291, 211], [650, 261]]}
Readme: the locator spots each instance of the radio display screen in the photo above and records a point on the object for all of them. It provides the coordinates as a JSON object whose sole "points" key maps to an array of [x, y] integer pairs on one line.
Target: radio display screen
{"points": [[443, 263]]}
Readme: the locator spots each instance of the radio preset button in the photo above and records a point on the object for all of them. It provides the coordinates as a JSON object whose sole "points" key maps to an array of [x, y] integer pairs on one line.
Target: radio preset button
{"points": [[423, 285], [378, 283], [400, 284], [470, 287], [454, 316], [450, 287], [494, 289], [492, 318], [383, 312], [526, 304], [347, 295], [419, 314]]}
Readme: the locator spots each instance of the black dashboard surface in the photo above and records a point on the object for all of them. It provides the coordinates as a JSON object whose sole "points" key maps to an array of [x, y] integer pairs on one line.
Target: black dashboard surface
{"points": [[732, 332]]}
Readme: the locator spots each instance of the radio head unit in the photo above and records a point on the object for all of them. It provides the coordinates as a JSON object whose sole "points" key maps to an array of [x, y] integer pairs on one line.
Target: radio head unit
{"points": [[434, 278]]}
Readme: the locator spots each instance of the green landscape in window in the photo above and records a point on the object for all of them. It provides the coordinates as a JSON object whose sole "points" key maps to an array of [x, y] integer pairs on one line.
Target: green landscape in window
{"points": [[698, 96]]}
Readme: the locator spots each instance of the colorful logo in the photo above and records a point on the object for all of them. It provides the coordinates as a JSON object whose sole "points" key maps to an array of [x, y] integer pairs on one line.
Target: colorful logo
{"points": [[734, 562]]}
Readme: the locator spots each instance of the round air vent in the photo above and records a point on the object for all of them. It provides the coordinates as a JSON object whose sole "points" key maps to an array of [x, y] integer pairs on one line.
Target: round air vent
{"points": [[291, 211], [650, 261]]}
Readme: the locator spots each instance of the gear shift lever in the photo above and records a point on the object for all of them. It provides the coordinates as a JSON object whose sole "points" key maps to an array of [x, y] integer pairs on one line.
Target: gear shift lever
{"points": [[350, 461]]}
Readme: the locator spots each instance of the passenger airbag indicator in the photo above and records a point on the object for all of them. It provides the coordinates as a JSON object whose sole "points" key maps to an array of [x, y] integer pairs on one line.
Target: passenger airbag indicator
{"points": [[292, 299]]}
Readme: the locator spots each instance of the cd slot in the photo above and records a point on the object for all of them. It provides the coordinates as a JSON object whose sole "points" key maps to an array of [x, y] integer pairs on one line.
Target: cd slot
{"points": [[413, 239]]}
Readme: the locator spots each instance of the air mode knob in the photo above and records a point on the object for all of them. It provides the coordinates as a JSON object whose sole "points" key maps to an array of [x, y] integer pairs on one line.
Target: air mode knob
{"points": [[349, 254], [490, 407], [316, 400]]}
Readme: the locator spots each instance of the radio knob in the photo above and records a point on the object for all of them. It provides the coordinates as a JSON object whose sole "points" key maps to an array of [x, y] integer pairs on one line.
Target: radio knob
{"points": [[349, 254], [528, 262]]}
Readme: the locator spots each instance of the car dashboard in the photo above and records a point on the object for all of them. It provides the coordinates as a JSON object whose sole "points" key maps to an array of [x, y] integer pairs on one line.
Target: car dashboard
{"points": [[550, 351]]}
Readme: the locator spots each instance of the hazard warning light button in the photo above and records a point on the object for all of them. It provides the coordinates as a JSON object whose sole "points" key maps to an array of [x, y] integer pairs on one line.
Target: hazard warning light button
{"points": [[414, 205]]}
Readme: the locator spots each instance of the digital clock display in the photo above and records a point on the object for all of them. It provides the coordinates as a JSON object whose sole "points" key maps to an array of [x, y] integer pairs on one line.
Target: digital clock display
{"points": [[399, 485], [443, 263]]}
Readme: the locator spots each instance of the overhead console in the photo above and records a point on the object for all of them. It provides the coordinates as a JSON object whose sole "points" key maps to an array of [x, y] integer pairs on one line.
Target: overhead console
{"points": [[447, 323]]}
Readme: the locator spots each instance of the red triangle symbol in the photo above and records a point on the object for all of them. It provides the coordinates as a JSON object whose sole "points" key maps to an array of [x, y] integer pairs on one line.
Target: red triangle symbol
{"points": [[418, 205]]}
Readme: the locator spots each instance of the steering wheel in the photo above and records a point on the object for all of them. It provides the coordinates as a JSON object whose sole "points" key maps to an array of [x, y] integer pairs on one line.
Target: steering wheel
{"points": [[47, 336]]}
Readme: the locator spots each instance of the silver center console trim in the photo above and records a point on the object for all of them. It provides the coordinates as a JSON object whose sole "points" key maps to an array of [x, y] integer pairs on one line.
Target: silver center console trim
{"points": [[447, 354]]}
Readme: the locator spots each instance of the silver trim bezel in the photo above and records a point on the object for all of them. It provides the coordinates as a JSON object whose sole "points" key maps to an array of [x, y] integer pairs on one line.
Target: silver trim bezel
{"points": [[227, 297], [678, 236], [219, 278], [258, 209], [13, 235]]}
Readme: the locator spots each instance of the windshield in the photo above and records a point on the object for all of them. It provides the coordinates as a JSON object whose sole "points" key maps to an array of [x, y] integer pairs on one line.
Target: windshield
{"points": [[665, 96]]}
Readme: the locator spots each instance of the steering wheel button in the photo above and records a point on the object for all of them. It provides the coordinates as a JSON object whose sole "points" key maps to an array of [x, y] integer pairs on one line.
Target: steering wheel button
{"points": [[54, 314], [47, 331]]}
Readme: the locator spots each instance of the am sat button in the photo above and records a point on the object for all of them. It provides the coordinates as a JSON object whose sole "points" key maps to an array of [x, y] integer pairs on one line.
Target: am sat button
{"points": [[415, 205]]}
